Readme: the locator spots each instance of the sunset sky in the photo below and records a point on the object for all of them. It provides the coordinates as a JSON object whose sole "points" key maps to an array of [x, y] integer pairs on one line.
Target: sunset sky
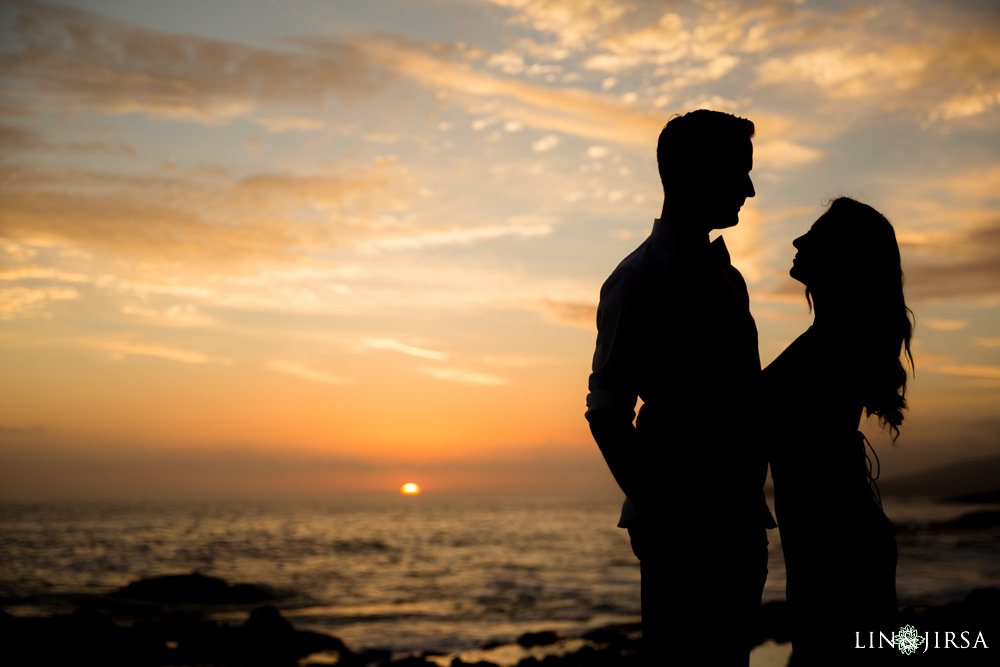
{"points": [[323, 246]]}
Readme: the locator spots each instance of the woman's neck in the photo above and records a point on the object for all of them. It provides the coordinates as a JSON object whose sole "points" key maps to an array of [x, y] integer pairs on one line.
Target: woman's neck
{"points": [[832, 314]]}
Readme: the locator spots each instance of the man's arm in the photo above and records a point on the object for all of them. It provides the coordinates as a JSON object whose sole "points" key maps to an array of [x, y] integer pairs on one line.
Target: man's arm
{"points": [[614, 383], [623, 452]]}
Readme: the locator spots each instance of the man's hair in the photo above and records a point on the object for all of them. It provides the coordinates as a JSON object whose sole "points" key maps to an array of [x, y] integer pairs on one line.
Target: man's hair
{"points": [[690, 145]]}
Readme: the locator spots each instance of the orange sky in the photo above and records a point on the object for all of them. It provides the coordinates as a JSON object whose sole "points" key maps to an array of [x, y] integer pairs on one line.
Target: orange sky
{"points": [[339, 246]]}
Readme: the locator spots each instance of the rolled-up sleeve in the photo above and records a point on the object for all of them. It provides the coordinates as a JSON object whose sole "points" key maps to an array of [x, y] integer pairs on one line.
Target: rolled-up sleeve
{"points": [[614, 382]]}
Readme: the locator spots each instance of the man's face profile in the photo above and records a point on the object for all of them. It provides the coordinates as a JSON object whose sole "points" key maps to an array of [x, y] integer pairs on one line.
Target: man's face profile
{"points": [[728, 186], [716, 185]]}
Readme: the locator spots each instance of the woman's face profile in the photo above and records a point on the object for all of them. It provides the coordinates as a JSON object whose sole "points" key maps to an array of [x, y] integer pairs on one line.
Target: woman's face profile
{"points": [[815, 259]]}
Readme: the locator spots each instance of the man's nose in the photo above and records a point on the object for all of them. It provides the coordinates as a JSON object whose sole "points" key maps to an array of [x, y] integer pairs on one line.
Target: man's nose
{"points": [[750, 191]]}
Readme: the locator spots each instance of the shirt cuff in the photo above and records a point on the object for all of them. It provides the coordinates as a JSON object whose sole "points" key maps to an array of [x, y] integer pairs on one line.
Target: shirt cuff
{"points": [[600, 399]]}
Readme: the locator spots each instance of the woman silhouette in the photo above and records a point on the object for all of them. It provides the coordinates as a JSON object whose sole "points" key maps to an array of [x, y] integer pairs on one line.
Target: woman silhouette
{"points": [[839, 548]]}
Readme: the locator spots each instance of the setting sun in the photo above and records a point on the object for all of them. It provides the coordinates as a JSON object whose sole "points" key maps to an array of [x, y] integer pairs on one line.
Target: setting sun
{"points": [[410, 489]]}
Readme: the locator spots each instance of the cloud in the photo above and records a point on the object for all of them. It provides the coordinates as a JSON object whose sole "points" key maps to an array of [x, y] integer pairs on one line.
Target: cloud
{"points": [[83, 62], [897, 55], [957, 264], [938, 66], [545, 144], [844, 73], [969, 370], [436, 237], [397, 346], [199, 215], [177, 315], [566, 312], [575, 23], [120, 349], [306, 373], [15, 139], [987, 342], [74, 60], [41, 273], [944, 325], [567, 110], [30, 302], [779, 154], [464, 376], [280, 124]]}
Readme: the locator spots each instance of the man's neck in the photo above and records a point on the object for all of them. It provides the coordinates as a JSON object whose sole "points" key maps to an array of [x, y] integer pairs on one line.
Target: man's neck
{"points": [[685, 221]]}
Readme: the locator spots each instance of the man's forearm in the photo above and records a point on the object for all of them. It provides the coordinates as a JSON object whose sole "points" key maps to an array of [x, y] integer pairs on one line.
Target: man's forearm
{"points": [[623, 452]]}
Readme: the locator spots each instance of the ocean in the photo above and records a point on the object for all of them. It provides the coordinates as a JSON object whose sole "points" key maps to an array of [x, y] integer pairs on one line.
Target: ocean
{"points": [[416, 573]]}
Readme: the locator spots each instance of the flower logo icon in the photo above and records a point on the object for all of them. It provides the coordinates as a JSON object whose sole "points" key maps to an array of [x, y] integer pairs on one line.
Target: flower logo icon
{"points": [[908, 640]]}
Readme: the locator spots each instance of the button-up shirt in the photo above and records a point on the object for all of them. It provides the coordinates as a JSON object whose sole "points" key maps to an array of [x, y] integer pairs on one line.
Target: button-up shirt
{"points": [[675, 330]]}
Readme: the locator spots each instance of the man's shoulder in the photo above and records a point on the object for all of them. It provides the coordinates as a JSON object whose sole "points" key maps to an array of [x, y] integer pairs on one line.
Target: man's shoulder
{"points": [[648, 259], [643, 272]]}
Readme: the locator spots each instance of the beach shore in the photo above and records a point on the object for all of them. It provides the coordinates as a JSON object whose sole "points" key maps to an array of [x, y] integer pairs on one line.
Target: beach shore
{"points": [[166, 621]]}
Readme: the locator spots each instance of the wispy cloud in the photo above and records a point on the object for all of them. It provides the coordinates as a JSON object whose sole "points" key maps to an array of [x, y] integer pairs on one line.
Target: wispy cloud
{"points": [[417, 239], [307, 373], [963, 263], [200, 215], [75, 60], [119, 349], [969, 370], [546, 143], [944, 325], [464, 376], [397, 346], [176, 315], [21, 302], [567, 312], [280, 124]]}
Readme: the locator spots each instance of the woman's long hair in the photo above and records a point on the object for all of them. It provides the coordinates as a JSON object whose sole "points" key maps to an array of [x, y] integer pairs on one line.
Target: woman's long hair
{"points": [[873, 285]]}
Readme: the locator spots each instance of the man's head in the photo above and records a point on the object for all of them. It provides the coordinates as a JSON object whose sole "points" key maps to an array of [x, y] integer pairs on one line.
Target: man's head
{"points": [[705, 158]]}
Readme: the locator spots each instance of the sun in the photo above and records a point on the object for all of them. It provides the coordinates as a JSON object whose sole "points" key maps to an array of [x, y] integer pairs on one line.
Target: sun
{"points": [[410, 489]]}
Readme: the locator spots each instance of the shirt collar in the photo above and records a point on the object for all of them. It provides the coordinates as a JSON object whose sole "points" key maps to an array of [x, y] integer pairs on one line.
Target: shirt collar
{"points": [[721, 251], [670, 232]]}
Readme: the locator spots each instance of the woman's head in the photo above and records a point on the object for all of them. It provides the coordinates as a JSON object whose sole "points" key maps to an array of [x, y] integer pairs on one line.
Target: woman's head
{"points": [[849, 263], [849, 252]]}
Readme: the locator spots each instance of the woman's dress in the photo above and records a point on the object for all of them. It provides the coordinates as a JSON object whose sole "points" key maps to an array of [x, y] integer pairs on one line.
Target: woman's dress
{"points": [[839, 548]]}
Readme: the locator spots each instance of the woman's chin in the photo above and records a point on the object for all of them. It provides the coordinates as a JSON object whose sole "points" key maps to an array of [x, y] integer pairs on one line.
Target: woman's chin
{"points": [[795, 273]]}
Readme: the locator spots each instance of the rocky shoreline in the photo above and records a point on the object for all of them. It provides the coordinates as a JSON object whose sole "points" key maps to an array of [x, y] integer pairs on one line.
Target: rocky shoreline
{"points": [[163, 621]]}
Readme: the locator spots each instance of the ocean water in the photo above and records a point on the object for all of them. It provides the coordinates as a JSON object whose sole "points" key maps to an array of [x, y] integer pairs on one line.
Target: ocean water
{"points": [[414, 573]]}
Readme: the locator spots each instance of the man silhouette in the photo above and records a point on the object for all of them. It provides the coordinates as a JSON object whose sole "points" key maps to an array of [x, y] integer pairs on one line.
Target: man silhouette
{"points": [[675, 329]]}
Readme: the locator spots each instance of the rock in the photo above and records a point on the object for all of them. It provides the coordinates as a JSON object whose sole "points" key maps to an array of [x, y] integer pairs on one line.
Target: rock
{"points": [[267, 622], [544, 638], [192, 588], [365, 658], [268, 634]]}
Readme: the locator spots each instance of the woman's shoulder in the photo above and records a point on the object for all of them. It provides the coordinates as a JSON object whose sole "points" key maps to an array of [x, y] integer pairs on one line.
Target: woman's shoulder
{"points": [[816, 361], [799, 349]]}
